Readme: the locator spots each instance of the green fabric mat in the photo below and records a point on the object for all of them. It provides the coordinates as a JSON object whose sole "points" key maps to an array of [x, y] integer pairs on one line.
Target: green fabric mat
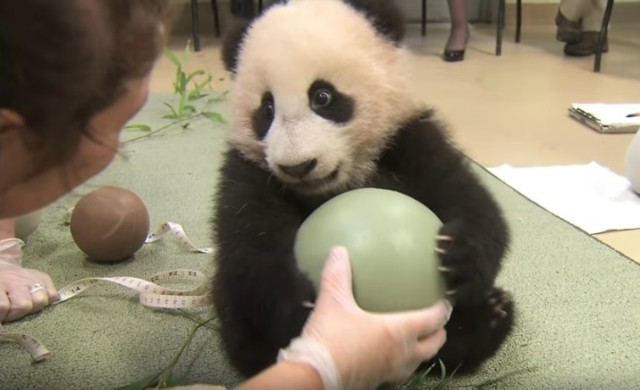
{"points": [[578, 301]]}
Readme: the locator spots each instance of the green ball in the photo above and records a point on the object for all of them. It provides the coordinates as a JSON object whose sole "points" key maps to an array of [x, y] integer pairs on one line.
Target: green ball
{"points": [[390, 238]]}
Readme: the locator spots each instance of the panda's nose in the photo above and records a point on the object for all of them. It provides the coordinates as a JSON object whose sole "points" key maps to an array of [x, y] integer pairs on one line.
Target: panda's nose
{"points": [[299, 170]]}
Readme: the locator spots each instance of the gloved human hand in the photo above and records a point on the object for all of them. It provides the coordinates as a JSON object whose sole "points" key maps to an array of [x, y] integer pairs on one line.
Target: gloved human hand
{"points": [[22, 290], [354, 349]]}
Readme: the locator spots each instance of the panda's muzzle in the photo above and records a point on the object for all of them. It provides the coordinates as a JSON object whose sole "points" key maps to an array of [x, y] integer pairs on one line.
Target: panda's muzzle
{"points": [[299, 171], [300, 176], [313, 184]]}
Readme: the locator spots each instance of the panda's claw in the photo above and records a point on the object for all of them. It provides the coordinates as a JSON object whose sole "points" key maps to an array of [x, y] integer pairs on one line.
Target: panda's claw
{"points": [[439, 250], [308, 304], [444, 269], [442, 237], [451, 292]]}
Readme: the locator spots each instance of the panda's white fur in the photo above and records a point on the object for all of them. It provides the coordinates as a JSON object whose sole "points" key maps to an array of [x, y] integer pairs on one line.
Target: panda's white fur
{"points": [[322, 47]]}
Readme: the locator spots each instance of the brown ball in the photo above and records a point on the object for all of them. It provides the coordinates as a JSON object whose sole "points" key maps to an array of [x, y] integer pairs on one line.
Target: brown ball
{"points": [[110, 224]]}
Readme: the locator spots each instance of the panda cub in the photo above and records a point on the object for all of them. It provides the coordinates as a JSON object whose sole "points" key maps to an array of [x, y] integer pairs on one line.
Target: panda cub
{"points": [[321, 105]]}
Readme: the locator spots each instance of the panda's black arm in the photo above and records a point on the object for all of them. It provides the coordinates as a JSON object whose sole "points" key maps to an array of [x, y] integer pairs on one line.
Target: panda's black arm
{"points": [[426, 166], [258, 289]]}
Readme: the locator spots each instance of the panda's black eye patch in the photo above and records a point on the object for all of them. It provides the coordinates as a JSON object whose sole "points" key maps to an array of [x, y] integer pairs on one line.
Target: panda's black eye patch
{"points": [[326, 101], [263, 116]]}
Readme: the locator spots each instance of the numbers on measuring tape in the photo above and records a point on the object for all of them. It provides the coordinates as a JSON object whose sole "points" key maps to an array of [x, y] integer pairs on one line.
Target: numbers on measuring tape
{"points": [[151, 293]]}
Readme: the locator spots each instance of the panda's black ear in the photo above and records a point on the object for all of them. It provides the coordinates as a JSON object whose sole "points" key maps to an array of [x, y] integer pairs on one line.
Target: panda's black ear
{"points": [[232, 42], [387, 17]]}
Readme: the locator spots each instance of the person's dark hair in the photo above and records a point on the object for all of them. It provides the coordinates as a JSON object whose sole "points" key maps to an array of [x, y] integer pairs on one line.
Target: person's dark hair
{"points": [[62, 62]]}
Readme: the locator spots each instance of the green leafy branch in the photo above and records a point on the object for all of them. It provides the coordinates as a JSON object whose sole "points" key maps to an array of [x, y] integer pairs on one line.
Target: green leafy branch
{"points": [[418, 380], [189, 88], [181, 88], [165, 378]]}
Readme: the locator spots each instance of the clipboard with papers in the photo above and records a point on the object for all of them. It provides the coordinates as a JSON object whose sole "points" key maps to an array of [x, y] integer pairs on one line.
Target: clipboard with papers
{"points": [[608, 117]]}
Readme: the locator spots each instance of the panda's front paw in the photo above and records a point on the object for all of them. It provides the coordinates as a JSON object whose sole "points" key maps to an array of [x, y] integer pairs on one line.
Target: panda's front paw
{"points": [[459, 261]]}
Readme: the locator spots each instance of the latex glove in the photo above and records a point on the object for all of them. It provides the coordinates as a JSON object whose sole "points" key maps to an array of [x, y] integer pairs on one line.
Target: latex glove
{"points": [[354, 349], [198, 387], [16, 283]]}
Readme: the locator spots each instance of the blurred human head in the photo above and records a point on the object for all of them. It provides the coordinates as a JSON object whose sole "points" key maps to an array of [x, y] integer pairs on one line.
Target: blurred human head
{"points": [[72, 73]]}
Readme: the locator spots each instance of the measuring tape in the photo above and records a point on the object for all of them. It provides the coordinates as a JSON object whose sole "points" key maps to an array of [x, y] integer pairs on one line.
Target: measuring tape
{"points": [[176, 230], [33, 346], [151, 293]]}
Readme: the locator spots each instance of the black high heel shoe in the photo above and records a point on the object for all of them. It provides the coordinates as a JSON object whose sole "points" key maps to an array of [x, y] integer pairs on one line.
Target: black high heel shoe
{"points": [[456, 55], [453, 55]]}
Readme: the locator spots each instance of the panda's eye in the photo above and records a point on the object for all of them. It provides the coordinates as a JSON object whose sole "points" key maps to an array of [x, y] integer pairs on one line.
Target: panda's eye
{"points": [[269, 110], [321, 98], [263, 115], [268, 106], [329, 103]]}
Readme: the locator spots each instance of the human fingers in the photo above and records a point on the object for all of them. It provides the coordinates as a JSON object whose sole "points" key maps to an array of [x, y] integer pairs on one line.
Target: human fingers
{"points": [[39, 297], [422, 323], [335, 284], [20, 302], [428, 347], [52, 291], [4, 304]]}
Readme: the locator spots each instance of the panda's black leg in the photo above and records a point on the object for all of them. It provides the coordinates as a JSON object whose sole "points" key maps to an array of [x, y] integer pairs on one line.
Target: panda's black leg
{"points": [[255, 325], [476, 331], [246, 352]]}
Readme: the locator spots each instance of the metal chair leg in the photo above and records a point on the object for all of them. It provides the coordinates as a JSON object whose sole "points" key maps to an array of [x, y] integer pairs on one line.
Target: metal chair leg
{"points": [[500, 26], [518, 20], [216, 16], [424, 18], [195, 25], [603, 35]]}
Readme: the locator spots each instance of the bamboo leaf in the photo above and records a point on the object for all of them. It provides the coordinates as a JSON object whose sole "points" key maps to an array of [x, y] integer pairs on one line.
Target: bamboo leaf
{"points": [[218, 98], [138, 126], [181, 103], [182, 83], [173, 114], [197, 92], [172, 57], [214, 117], [443, 370], [193, 74], [186, 54]]}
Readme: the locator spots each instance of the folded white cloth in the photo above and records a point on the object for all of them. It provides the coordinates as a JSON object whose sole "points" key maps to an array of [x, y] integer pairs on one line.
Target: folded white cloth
{"points": [[589, 196]]}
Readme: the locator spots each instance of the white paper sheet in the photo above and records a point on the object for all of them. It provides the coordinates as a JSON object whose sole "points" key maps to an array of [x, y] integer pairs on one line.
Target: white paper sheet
{"points": [[589, 196], [612, 114]]}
